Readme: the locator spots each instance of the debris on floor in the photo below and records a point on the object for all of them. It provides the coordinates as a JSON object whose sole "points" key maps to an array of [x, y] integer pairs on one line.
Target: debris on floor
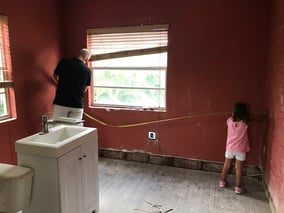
{"points": [[156, 206]]}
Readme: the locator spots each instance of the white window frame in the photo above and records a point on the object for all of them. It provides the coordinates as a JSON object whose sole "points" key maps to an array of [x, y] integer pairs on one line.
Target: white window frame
{"points": [[157, 36]]}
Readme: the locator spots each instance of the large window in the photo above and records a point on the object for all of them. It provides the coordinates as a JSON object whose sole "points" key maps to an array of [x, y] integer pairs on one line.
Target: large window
{"points": [[129, 66], [6, 83]]}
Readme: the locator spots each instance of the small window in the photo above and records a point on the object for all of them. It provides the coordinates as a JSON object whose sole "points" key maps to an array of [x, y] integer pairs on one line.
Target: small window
{"points": [[129, 66], [6, 84]]}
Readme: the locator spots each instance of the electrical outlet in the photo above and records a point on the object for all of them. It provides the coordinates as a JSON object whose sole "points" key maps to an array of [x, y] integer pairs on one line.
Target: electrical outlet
{"points": [[152, 135]]}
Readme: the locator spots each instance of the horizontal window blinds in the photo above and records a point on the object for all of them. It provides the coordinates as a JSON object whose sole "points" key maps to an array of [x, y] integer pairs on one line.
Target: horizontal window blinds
{"points": [[108, 43], [5, 56]]}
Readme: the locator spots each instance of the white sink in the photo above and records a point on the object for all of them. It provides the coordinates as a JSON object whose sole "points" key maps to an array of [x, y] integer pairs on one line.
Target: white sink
{"points": [[56, 142], [56, 136]]}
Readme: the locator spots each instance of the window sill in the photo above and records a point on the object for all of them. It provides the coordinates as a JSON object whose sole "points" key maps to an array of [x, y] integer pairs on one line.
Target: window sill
{"points": [[109, 108], [7, 120]]}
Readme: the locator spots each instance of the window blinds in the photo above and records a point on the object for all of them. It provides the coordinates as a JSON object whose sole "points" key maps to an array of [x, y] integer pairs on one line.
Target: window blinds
{"points": [[5, 56], [109, 43]]}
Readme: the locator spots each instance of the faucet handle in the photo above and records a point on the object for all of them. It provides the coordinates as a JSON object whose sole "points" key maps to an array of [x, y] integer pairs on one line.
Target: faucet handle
{"points": [[47, 113], [44, 116]]}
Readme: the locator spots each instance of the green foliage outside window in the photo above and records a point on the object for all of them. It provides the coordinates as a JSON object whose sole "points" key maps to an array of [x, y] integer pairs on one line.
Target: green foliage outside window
{"points": [[122, 87], [2, 107]]}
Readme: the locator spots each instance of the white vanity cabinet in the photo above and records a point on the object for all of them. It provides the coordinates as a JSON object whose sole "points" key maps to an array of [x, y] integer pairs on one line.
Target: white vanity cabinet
{"points": [[64, 182], [78, 187]]}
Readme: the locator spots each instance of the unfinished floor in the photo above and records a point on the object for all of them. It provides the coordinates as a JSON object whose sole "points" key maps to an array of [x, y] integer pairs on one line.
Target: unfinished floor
{"points": [[129, 187]]}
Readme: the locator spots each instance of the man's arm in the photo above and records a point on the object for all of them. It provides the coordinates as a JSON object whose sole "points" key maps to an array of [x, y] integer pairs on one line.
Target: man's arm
{"points": [[86, 88]]}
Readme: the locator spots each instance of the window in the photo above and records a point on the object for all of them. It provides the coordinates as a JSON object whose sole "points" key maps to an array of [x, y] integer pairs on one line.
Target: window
{"points": [[6, 84], [129, 66]]}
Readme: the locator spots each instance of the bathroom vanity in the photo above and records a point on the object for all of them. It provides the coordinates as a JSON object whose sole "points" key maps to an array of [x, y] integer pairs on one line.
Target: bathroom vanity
{"points": [[65, 164]]}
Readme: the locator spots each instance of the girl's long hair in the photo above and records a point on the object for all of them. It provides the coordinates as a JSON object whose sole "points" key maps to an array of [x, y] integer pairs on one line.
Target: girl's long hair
{"points": [[240, 112]]}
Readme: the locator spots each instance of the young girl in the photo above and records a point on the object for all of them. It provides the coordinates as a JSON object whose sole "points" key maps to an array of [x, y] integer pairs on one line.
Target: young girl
{"points": [[237, 144]]}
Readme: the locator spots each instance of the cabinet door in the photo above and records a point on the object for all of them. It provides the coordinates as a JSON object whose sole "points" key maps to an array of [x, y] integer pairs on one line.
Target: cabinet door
{"points": [[89, 152], [70, 182]]}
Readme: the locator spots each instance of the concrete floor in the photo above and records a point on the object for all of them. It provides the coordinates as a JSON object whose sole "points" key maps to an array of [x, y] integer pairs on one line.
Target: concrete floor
{"points": [[130, 187]]}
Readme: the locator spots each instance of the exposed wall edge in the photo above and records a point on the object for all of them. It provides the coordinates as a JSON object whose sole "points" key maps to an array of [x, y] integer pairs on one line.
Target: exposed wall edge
{"points": [[269, 197], [210, 166]]}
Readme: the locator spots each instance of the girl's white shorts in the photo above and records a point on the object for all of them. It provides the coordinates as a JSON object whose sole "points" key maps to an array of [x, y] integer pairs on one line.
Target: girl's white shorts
{"points": [[241, 156]]}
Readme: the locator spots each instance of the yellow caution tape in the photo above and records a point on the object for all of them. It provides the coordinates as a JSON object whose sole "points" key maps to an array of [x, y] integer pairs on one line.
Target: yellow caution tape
{"points": [[152, 122]]}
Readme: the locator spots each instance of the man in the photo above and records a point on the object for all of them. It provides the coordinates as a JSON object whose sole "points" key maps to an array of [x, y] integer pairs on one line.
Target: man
{"points": [[73, 78]]}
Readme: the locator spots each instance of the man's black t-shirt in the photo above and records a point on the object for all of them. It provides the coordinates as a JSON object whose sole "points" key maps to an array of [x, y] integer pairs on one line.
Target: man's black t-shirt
{"points": [[74, 76]]}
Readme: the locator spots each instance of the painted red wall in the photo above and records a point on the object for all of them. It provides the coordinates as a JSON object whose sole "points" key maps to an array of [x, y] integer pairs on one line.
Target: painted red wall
{"points": [[274, 161], [35, 50], [216, 57]]}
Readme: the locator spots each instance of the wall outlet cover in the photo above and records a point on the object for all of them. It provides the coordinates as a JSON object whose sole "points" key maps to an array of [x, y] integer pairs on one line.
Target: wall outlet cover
{"points": [[152, 135]]}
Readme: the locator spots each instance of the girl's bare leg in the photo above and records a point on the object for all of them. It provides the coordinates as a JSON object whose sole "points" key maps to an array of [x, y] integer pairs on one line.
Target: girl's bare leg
{"points": [[239, 165], [226, 168]]}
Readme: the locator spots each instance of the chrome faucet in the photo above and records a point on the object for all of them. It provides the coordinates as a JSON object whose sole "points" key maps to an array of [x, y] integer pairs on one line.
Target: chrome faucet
{"points": [[44, 122]]}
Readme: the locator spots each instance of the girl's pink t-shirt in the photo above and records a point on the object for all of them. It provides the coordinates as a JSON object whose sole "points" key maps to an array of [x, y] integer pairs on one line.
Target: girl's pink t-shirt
{"points": [[237, 137]]}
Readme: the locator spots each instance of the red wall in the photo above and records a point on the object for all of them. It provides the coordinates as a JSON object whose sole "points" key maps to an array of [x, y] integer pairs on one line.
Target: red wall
{"points": [[34, 42], [274, 161], [216, 57]]}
